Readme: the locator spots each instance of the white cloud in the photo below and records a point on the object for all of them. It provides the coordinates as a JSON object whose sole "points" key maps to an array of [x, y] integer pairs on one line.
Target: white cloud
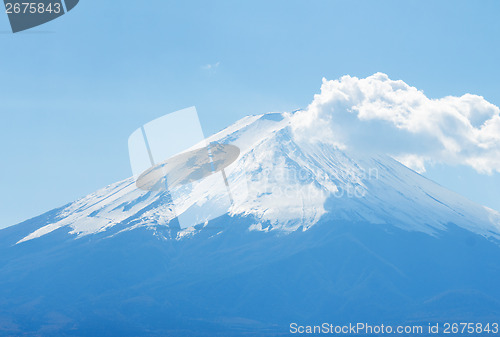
{"points": [[211, 67], [378, 114]]}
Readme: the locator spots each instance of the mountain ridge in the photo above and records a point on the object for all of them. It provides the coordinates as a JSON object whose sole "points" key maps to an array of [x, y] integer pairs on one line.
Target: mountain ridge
{"points": [[313, 236]]}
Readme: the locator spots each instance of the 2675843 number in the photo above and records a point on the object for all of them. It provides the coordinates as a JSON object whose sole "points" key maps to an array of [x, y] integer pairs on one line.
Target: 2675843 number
{"points": [[32, 8], [470, 328]]}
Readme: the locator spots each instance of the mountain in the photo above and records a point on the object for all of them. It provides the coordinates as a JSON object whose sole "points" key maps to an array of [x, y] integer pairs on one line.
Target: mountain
{"points": [[316, 233]]}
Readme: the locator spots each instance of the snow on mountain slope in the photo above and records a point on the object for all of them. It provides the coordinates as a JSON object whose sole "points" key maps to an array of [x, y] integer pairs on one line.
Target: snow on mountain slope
{"points": [[287, 184]]}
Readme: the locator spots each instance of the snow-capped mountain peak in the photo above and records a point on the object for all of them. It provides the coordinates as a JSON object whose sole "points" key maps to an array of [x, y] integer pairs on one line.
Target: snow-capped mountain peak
{"points": [[285, 183]]}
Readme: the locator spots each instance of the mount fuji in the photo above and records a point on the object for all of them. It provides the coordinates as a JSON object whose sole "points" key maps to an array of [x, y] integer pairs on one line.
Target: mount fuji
{"points": [[317, 233]]}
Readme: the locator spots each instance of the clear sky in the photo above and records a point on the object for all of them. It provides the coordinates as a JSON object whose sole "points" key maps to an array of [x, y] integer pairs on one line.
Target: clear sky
{"points": [[73, 90]]}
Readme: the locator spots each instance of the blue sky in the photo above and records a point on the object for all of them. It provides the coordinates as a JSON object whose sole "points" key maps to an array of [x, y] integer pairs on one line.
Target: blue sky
{"points": [[74, 89]]}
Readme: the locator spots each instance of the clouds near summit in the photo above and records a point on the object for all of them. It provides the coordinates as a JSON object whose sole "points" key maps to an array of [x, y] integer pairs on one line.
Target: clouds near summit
{"points": [[379, 114]]}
